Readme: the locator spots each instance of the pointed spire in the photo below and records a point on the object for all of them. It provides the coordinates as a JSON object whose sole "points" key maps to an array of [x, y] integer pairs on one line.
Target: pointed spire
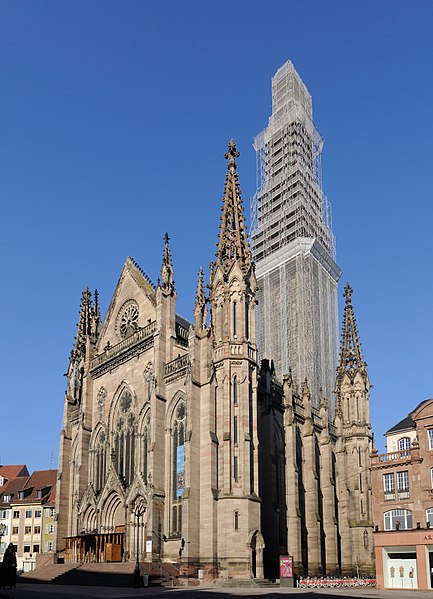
{"points": [[84, 324], [96, 316], [200, 303], [232, 244], [167, 269], [351, 360]]}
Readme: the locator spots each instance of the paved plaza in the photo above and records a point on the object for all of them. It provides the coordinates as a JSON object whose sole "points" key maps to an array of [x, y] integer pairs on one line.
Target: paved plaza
{"points": [[49, 591]]}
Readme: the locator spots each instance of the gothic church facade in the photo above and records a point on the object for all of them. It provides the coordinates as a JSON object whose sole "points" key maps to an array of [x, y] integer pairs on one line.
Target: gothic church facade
{"points": [[177, 446]]}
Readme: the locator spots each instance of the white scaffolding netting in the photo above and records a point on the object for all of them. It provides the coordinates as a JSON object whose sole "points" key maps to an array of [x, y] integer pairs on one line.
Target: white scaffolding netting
{"points": [[293, 243]]}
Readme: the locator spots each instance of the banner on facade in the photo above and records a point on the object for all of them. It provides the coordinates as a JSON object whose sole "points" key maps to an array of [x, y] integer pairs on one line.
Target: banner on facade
{"points": [[180, 470]]}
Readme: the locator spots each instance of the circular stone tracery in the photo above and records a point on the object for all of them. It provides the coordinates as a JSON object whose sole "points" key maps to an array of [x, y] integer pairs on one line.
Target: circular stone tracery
{"points": [[127, 321]]}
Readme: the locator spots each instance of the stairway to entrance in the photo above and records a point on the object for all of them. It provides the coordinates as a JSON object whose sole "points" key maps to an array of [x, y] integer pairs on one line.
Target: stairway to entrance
{"points": [[118, 574]]}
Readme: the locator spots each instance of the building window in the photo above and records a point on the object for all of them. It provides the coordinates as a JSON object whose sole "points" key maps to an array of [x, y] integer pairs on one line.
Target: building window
{"points": [[49, 528], [5, 531], [52, 512], [430, 438], [146, 445], [3, 514], [236, 520], [6, 498], [389, 486], [235, 331], [99, 462], [35, 548], [14, 530], [397, 519], [16, 514], [429, 516], [235, 390], [38, 513], [235, 430], [124, 438], [404, 447], [403, 484], [236, 468], [28, 513], [26, 548], [49, 545], [27, 530], [37, 530], [178, 467]]}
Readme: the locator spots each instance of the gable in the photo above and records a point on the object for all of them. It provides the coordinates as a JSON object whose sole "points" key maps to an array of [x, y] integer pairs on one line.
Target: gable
{"points": [[132, 306]]}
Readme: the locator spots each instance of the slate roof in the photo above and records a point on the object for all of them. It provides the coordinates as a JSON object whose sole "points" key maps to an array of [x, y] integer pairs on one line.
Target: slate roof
{"points": [[44, 480], [11, 488], [407, 421]]}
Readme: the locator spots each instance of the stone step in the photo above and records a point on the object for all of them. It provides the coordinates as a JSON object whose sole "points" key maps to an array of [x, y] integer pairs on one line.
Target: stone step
{"points": [[115, 574]]}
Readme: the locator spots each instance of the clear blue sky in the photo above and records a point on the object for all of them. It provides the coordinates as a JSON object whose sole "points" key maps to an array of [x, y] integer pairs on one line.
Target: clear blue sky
{"points": [[114, 119]]}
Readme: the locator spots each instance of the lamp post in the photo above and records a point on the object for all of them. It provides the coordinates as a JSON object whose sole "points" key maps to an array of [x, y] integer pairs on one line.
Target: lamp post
{"points": [[2, 533], [138, 512]]}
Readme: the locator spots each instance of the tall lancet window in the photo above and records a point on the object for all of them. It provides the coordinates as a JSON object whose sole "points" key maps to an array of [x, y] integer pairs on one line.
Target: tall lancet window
{"points": [[178, 467], [99, 461], [124, 438], [146, 444], [235, 390]]}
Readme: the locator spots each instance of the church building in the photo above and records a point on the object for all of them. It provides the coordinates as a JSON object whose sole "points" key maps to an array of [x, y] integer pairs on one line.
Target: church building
{"points": [[177, 446]]}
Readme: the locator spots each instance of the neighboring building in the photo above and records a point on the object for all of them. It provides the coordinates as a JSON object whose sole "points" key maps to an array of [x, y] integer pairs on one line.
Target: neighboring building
{"points": [[8, 491], [293, 244], [8, 473], [402, 482], [174, 440], [28, 518]]}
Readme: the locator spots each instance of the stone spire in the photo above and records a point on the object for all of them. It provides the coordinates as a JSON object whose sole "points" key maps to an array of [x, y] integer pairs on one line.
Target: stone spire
{"points": [[200, 312], [232, 244], [167, 282], [89, 322], [96, 316], [84, 327], [351, 360]]}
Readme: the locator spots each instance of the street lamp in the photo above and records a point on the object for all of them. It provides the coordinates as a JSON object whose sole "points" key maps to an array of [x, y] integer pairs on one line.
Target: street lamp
{"points": [[2, 533], [138, 512]]}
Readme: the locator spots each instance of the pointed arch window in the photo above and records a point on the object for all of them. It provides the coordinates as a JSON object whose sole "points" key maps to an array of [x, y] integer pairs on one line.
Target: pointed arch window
{"points": [[178, 467], [235, 330], [235, 390], [99, 461], [146, 444], [124, 439]]}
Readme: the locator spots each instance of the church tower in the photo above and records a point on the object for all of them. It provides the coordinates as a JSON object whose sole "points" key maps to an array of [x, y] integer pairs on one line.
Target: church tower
{"points": [[75, 434], [354, 447], [232, 301]]}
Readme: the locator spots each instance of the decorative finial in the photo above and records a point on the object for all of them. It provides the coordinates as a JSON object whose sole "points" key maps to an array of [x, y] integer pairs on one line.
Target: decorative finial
{"points": [[167, 268], [348, 293], [231, 155]]}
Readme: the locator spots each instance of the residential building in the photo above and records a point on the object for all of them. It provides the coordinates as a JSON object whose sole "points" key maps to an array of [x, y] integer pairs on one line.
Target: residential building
{"points": [[8, 491], [293, 243], [402, 482], [164, 418], [28, 505]]}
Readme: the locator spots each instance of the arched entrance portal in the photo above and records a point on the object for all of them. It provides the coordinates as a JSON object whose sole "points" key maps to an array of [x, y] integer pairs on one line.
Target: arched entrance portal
{"points": [[256, 544]]}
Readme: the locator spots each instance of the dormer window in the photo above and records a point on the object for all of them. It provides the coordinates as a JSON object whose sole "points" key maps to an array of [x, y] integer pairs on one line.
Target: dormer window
{"points": [[39, 493], [7, 497], [21, 494]]}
